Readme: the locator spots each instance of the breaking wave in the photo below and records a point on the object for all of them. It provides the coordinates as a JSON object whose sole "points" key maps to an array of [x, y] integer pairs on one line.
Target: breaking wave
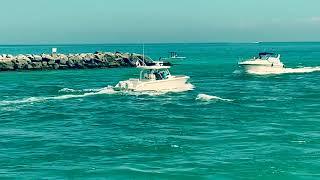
{"points": [[205, 97], [287, 71]]}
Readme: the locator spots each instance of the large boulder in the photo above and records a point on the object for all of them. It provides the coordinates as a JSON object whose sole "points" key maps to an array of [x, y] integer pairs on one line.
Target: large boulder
{"points": [[36, 65], [62, 59], [83, 55], [55, 66], [110, 57], [51, 62], [6, 65], [46, 57], [99, 57], [29, 56], [45, 65], [76, 61], [22, 57], [36, 58], [70, 63], [113, 64], [88, 60], [76, 58], [21, 62]]}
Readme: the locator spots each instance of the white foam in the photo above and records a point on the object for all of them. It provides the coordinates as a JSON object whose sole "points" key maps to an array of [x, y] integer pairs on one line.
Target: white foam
{"points": [[69, 90], [90, 92], [174, 146], [22, 101], [205, 97], [287, 71], [107, 90]]}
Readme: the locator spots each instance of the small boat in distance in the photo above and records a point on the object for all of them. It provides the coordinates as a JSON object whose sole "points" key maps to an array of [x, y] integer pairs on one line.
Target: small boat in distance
{"points": [[147, 61], [174, 55], [154, 78], [266, 62]]}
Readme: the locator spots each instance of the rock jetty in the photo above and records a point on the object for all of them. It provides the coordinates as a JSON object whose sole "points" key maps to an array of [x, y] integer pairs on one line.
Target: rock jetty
{"points": [[71, 61]]}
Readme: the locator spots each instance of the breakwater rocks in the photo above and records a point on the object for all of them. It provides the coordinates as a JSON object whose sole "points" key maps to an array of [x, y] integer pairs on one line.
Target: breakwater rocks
{"points": [[71, 61]]}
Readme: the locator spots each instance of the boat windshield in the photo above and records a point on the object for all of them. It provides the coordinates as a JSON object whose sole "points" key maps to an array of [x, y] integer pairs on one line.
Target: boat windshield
{"points": [[266, 55], [153, 74]]}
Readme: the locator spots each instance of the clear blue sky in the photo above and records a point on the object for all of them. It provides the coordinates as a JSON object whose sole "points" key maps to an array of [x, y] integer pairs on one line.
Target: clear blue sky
{"points": [[136, 21]]}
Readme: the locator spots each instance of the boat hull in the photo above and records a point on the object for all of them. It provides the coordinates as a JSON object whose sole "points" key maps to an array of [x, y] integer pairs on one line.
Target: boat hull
{"points": [[261, 68], [154, 85]]}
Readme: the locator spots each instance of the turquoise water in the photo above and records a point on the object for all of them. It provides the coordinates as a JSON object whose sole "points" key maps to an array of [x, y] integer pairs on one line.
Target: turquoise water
{"points": [[70, 124]]}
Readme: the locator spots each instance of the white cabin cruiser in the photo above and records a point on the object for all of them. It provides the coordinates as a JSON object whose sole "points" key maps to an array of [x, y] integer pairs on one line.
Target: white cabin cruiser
{"points": [[154, 78], [266, 62]]}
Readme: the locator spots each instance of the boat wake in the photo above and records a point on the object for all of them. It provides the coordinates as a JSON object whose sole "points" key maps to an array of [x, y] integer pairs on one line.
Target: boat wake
{"points": [[68, 90], [207, 98], [287, 71], [89, 92], [106, 90]]}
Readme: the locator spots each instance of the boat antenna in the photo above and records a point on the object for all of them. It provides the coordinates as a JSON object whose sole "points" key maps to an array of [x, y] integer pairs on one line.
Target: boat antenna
{"points": [[143, 53]]}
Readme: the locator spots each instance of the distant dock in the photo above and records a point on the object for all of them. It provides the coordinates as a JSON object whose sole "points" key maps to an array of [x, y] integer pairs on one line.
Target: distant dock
{"points": [[56, 61]]}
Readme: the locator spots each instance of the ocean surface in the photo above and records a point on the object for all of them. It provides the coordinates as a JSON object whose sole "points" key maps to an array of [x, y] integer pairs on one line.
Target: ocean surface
{"points": [[70, 124]]}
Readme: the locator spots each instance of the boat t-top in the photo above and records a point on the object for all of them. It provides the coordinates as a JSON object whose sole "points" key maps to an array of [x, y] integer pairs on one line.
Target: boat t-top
{"points": [[265, 62], [154, 78]]}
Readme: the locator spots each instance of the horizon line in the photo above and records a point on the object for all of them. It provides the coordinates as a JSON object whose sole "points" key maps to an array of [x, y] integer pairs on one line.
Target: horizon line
{"points": [[133, 43]]}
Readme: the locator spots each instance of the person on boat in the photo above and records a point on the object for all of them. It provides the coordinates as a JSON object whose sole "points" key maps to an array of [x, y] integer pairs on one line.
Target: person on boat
{"points": [[158, 75], [165, 74], [149, 75]]}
